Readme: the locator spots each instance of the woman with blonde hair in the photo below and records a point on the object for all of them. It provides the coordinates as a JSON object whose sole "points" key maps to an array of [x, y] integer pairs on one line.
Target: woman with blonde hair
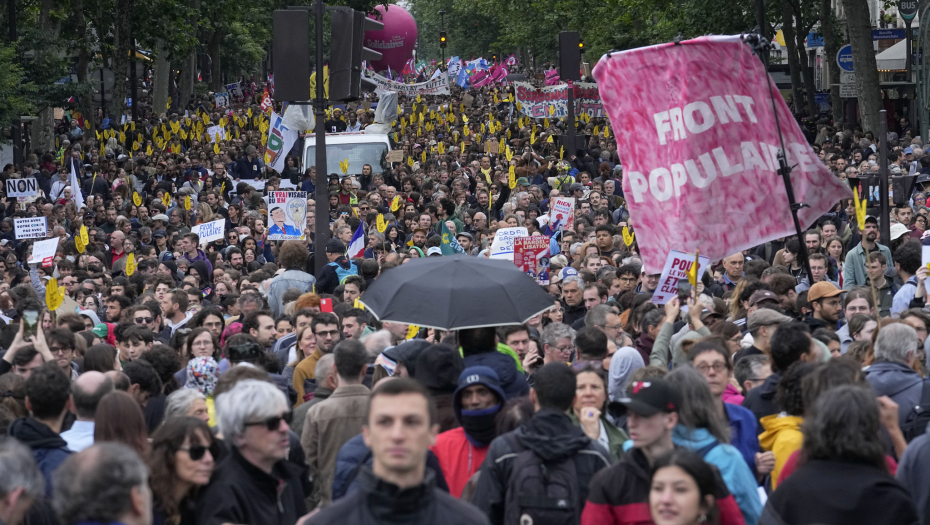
{"points": [[204, 213]]}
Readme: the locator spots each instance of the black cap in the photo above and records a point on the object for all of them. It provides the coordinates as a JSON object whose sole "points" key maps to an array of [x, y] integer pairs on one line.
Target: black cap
{"points": [[159, 233], [335, 246], [871, 219], [647, 398]]}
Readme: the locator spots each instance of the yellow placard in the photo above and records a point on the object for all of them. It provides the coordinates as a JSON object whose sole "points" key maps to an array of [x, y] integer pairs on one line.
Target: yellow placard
{"points": [[78, 244], [136, 199], [344, 166], [381, 224], [395, 204], [130, 264], [187, 203], [83, 235], [628, 236], [412, 331], [53, 295], [513, 178]]}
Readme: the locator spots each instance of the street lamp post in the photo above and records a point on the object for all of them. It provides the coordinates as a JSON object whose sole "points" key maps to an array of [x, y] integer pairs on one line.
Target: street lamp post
{"points": [[442, 28]]}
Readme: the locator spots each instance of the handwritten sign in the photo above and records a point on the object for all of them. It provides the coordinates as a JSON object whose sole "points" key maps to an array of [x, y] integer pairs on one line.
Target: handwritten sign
{"points": [[31, 228], [287, 212], [210, 231], [502, 247], [44, 251], [676, 268], [21, 187]]}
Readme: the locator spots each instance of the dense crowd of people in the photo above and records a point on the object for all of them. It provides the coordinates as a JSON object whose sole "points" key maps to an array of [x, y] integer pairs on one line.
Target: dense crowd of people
{"points": [[174, 381]]}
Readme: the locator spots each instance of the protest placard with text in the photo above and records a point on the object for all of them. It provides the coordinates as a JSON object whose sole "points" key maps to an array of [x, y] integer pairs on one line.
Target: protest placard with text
{"points": [[30, 228], [676, 268]]}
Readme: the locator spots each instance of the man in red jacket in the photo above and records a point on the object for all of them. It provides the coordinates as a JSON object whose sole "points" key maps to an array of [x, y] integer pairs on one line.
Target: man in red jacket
{"points": [[620, 494], [461, 451]]}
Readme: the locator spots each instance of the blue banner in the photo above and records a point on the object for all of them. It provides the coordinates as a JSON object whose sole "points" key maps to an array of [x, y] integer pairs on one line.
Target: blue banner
{"points": [[888, 34]]}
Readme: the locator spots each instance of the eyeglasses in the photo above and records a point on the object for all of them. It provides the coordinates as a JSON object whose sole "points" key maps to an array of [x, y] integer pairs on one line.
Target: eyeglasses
{"points": [[331, 333], [196, 452], [717, 367], [564, 349], [143, 320], [60, 349], [273, 423]]}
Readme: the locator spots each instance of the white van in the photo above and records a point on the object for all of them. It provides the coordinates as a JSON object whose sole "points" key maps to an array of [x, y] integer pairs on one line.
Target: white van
{"points": [[358, 147]]}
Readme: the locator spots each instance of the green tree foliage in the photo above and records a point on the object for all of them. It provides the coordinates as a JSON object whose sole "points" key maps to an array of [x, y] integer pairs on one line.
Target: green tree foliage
{"points": [[15, 93]]}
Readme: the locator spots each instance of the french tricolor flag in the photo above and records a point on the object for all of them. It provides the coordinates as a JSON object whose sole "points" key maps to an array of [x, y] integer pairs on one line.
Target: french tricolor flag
{"points": [[357, 244]]}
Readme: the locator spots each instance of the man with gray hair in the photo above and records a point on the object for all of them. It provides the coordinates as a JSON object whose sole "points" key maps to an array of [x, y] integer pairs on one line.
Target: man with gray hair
{"points": [[892, 374], [255, 484], [106, 483], [21, 482], [573, 299]]}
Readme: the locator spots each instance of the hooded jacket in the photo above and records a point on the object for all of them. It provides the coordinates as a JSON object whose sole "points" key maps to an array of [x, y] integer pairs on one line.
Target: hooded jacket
{"points": [[897, 381], [200, 257], [513, 382], [782, 436], [551, 436], [379, 502], [761, 400], [744, 432], [48, 448], [839, 492], [736, 474], [619, 495]]}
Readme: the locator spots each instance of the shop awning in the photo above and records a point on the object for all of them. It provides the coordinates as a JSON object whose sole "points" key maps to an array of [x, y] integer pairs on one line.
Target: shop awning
{"points": [[894, 58]]}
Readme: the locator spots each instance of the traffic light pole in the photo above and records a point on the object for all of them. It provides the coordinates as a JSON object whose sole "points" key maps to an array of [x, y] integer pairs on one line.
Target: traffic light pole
{"points": [[321, 196]]}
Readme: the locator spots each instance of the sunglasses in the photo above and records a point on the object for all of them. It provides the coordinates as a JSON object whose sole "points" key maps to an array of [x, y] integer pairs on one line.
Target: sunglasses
{"points": [[196, 452], [143, 320], [273, 423]]}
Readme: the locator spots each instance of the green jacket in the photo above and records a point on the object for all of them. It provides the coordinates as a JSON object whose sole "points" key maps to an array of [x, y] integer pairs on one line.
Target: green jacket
{"points": [[660, 349], [616, 437], [854, 266]]}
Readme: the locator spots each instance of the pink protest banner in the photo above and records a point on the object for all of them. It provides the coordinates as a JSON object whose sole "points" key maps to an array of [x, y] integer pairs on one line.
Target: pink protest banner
{"points": [[698, 142], [531, 254]]}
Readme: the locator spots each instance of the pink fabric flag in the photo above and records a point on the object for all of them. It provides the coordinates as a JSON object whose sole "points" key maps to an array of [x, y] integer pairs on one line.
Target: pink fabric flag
{"points": [[552, 77], [698, 142]]}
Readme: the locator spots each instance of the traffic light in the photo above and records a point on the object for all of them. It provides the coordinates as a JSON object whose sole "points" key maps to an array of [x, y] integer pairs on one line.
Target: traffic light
{"points": [[494, 57], [581, 46], [348, 52], [569, 55], [442, 39], [291, 55]]}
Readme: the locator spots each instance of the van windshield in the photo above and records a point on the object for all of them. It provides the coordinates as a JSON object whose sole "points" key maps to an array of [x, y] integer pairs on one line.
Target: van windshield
{"points": [[359, 154]]}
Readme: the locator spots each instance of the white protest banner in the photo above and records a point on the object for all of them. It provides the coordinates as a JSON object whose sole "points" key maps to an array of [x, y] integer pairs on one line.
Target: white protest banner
{"points": [[44, 251], [288, 212], [531, 254], [210, 231], [234, 89], [21, 187], [502, 247], [562, 213], [31, 228], [676, 268], [213, 131], [436, 86], [552, 101], [222, 99]]}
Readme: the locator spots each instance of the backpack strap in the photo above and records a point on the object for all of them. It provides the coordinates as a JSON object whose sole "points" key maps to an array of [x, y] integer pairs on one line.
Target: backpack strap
{"points": [[703, 451], [924, 394]]}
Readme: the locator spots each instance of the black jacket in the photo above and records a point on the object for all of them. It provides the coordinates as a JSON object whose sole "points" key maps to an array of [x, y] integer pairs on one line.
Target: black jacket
{"points": [[328, 279], [240, 492], [761, 400], [48, 448], [839, 492], [380, 502], [573, 313], [553, 437]]}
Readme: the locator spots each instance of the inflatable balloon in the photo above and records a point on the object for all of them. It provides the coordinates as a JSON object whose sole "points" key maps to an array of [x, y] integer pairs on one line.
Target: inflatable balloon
{"points": [[396, 41]]}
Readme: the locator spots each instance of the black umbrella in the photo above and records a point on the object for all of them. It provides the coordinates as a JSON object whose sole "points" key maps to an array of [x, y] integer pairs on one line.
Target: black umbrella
{"points": [[456, 292]]}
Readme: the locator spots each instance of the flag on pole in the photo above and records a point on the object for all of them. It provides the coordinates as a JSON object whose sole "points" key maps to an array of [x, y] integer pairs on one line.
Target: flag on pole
{"points": [[450, 245], [75, 183], [357, 244]]}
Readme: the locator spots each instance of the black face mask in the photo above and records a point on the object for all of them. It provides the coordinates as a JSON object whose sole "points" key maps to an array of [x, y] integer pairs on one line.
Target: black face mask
{"points": [[480, 425]]}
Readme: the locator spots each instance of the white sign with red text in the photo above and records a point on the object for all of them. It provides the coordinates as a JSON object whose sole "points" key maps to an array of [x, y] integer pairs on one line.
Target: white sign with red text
{"points": [[676, 268]]}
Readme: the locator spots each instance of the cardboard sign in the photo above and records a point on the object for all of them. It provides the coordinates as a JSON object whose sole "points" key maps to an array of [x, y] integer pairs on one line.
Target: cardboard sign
{"points": [[676, 268], [502, 247], [468, 100], [21, 187], [287, 212], [562, 213], [210, 231], [493, 146], [213, 131], [531, 254], [44, 251], [31, 228], [395, 155]]}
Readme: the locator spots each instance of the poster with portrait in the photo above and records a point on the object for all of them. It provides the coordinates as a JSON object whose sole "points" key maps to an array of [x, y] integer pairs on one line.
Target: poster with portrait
{"points": [[287, 215]]}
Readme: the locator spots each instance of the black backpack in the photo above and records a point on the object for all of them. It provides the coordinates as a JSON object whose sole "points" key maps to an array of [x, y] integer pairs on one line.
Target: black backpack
{"points": [[541, 493], [916, 422]]}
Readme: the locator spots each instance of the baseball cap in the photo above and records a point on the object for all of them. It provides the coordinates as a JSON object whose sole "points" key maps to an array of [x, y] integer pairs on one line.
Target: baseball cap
{"points": [[647, 398], [897, 230], [871, 219], [705, 313], [762, 295], [159, 233], [908, 151], [821, 290], [335, 246], [576, 186], [522, 181], [466, 235], [568, 271], [435, 250], [765, 317], [160, 217]]}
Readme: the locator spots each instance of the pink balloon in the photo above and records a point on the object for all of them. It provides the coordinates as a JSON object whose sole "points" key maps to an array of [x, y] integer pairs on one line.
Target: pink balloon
{"points": [[396, 41]]}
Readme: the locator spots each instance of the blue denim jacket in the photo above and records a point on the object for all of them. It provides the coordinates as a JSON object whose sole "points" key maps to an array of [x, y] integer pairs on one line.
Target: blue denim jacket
{"points": [[299, 279]]}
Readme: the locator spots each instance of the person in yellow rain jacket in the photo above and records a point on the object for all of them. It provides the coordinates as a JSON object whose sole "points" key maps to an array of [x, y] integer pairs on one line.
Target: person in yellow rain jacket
{"points": [[782, 433]]}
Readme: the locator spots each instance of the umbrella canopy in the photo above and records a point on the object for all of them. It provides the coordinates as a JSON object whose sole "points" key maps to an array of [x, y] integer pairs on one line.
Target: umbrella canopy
{"points": [[455, 292], [515, 76]]}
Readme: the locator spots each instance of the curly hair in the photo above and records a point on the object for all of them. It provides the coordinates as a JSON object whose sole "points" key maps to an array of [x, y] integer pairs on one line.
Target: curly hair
{"points": [[789, 396], [293, 255]]}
